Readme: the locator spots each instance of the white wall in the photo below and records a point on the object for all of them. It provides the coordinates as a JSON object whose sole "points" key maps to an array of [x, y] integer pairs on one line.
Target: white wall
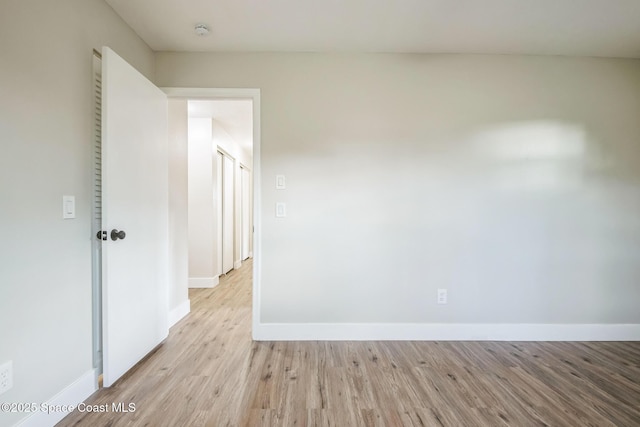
{"points": [[178, 211], [46, 134], [512, 181], [202, 259]]}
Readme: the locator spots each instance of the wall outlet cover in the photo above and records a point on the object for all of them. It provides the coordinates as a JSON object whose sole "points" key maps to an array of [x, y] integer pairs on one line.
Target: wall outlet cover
{"points": [[6, 376]]}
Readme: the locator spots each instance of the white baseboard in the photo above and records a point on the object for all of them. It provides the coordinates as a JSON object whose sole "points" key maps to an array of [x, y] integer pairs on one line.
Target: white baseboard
{"points": [[250, 254], [237, 264], [444, 332], [203, 282], [179, 312], [72, 395]]}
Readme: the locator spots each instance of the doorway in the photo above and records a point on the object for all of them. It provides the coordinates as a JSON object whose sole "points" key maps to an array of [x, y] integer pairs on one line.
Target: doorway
{"points": [[220, 159], [252, 168], [250, 230]]}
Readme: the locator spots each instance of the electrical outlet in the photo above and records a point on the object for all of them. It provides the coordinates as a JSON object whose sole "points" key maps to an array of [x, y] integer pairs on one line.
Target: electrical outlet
{"points": [[6, 376], [442, 296]]}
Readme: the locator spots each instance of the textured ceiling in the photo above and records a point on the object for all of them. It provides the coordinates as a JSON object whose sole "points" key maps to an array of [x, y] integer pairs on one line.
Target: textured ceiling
{"points": [[558, 27]]}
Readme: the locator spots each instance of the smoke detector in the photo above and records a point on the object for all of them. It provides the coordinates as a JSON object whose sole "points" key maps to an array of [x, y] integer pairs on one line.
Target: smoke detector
{"points": [[201, 29]]}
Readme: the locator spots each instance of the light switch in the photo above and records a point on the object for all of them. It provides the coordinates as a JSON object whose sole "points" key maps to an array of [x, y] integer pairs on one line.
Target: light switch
{"points": [[281, 210], [68, 207], [280, 182]]}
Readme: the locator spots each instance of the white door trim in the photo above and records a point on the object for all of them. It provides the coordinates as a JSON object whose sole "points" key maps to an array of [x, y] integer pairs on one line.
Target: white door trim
{"points": [[254, 95]]}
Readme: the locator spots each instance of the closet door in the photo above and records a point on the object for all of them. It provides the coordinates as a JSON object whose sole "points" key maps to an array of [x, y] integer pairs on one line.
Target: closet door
{"points": [[246, 212], [228, 223], [219, 210]]}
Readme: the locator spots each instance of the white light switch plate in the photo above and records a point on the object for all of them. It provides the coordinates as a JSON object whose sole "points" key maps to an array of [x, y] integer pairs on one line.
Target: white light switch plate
{"points": [[281, 183], [281, 210], [442, 296], [68, 207]]}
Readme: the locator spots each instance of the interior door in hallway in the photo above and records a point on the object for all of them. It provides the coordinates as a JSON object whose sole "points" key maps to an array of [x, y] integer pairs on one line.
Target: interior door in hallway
{"points": [[245, 189], [134, 216], [228, 213]]}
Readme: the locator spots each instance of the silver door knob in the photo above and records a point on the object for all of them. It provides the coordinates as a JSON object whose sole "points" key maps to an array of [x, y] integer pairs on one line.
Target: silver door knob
{"points": [[115, 234]]}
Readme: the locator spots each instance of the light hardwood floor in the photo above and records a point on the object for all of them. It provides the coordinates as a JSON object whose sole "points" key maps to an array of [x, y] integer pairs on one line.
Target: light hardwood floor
{"points": [[210, 373]]}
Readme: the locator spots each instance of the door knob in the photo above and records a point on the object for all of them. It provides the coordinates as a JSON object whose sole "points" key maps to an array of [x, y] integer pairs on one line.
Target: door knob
{"points": [[115, 234]]}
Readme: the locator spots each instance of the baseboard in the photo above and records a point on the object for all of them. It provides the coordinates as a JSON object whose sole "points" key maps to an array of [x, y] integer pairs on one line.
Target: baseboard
{"points": [[203, 282], [179, 312], [71, 396], [237, 264], [444, 332]]}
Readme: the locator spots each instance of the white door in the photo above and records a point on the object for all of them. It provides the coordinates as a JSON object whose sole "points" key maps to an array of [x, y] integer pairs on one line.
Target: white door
{"points": [[135, 201], [246, 212], [228, 227], [219, 163]]}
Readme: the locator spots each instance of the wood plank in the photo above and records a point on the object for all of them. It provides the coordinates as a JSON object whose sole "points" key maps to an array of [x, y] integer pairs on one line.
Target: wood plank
{"points": [[210, 373]]}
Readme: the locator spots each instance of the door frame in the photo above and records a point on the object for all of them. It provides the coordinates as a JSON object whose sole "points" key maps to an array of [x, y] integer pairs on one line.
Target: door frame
{"points": [[230, 94]]}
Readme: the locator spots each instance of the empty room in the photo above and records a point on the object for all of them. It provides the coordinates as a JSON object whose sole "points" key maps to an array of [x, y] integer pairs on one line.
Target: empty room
{"points": [[429, 216]]}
